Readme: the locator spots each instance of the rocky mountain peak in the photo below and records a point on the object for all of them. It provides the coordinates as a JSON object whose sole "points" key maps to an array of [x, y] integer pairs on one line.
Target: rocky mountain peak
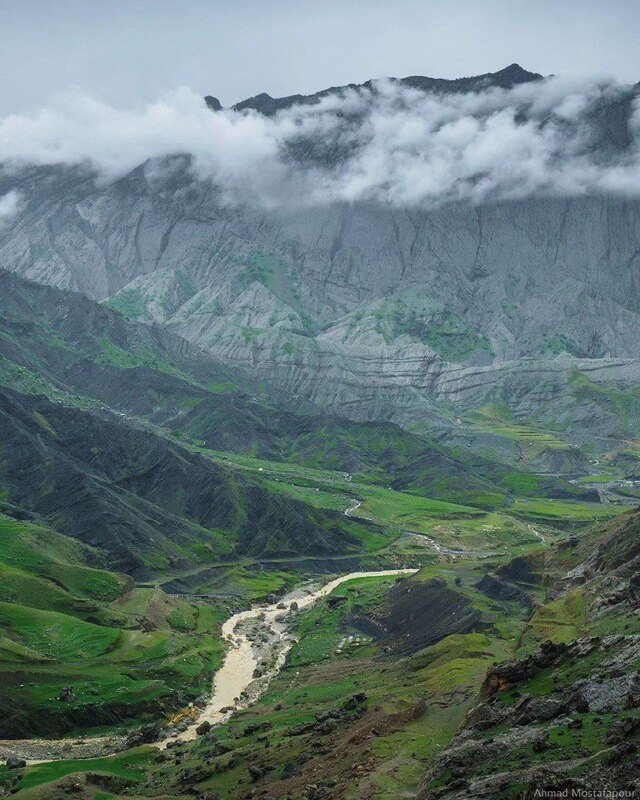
{"points": [[514, 74], [505, 78], [213, 103], [262, 102]]}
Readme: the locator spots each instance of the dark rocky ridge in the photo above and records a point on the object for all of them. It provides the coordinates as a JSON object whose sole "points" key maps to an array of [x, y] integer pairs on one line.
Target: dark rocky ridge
{"points": [[145, 500], [505, 78], [419, 614]]}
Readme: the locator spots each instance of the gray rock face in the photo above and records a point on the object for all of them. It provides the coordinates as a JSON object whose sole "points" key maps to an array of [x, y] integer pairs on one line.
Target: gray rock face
{"points": [[609, 694], [364, 310]]}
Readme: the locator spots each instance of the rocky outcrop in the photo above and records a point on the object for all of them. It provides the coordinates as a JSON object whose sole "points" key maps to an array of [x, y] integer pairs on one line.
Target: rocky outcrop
{"points": [[510, 673], [524, 736], [615, 559], [565, 715]]}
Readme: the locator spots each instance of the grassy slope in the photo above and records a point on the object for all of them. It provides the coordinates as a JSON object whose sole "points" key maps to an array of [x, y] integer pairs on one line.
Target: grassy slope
{"points": [[63, 623], [405, 706], [414, 704], [450, 524], [124, 649]]}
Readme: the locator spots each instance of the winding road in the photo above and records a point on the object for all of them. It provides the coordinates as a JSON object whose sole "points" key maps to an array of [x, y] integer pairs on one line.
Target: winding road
{"points": [[354, 505]]}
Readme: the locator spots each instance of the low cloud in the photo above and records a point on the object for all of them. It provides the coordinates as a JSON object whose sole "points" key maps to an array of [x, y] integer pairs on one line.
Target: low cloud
{"points": [[10, 205], [389, 144]]}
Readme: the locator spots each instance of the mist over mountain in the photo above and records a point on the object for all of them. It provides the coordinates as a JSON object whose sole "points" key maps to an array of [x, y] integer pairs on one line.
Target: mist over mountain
{"points": [[413, 142], [374, 251], [386, 328]]}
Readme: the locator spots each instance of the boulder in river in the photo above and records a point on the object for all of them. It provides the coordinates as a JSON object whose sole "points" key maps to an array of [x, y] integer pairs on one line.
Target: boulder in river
{"points": [[134, 740], [200, 702], [203, 728], [151, 733]]}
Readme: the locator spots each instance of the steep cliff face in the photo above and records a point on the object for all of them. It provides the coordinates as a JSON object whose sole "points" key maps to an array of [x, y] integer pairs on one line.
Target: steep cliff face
{"points": [[360, 309], [364, 309], [532, 276]]}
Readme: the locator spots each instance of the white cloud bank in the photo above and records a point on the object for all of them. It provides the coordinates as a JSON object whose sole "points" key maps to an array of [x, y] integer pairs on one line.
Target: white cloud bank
{"points": [[10, 204], [396, 145]]}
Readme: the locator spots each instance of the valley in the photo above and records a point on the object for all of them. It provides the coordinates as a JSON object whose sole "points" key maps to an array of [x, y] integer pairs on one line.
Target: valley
{"points": [[330, 495], [355, 712], [152, 496]]}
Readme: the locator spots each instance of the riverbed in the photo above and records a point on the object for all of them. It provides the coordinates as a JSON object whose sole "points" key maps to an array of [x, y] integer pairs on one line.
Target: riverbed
{"points": [[259, 639]]}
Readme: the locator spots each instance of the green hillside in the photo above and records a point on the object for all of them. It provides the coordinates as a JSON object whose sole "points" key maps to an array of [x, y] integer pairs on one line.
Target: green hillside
{"points": [[122, 650]]}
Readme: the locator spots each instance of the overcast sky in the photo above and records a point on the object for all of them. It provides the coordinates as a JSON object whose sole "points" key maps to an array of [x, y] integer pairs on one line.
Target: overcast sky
{"points": [[129, 52]]}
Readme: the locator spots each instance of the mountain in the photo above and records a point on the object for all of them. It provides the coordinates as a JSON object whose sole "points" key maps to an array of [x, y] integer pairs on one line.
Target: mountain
{"points": [[84, 391], [206, 403], [505, 78], [411, 315], [146, 490], [86, 356], [150, 504]]}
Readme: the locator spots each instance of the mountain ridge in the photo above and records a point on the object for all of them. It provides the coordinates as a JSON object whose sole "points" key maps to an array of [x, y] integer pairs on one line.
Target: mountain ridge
{"points": [[419, 316], [205, 404], [506, 78]]}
